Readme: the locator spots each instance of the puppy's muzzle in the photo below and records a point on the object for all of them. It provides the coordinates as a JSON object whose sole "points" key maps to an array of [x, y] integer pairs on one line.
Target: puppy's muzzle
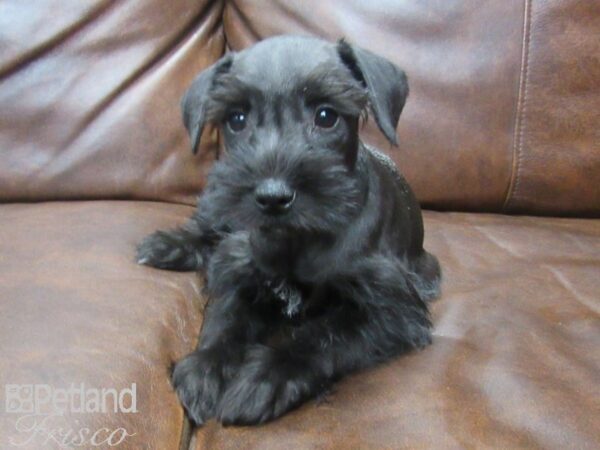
{"points": [[274, 196]]}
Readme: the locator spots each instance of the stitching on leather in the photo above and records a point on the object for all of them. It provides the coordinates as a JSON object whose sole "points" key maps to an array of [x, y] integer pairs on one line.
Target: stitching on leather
{"points": [[519, 129]]}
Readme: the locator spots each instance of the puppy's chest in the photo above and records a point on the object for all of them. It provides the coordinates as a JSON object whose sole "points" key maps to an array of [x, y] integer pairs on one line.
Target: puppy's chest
{"points": [[289, 295], [293, 300]]}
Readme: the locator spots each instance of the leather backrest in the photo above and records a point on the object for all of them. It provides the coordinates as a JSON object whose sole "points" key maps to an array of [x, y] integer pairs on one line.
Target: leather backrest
{"points": [[503, 113], [504, 110]]}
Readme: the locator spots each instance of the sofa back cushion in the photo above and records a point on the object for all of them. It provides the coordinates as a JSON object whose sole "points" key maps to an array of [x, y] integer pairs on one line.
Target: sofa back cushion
{"points": [[504, 110], [89, 97], [503, 113]]}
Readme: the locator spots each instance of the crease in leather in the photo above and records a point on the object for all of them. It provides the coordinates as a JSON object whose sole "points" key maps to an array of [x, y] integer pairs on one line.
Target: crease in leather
{"points": [[170, 51], [152, 62], [212, 140], [519, 127], [571, 289], [242, 17], [56, 40], [497, 242]]}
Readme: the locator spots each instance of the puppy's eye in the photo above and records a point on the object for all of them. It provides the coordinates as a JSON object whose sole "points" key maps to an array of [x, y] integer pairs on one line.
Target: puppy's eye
{"points": [[236, 121], [326, 117]]}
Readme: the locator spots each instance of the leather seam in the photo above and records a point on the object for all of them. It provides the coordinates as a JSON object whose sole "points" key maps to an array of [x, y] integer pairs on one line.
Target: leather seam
{"points": [[519, 128], [185, 437]]}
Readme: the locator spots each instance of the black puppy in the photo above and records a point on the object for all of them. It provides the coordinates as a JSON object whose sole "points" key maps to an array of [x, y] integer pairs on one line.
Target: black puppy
{"points": [[311, 242]]}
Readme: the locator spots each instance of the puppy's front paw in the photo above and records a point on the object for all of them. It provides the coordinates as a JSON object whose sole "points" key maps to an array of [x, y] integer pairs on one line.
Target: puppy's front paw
{"points": [[167, 250], [198, 381], [267, 385]]}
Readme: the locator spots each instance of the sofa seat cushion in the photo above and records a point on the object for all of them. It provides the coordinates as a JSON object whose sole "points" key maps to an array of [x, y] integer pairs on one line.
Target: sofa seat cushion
{"points": [[76, 311], [515, 361]]}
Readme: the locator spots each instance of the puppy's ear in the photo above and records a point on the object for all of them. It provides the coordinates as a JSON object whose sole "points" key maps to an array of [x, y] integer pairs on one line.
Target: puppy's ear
{"points": [[193, 104], [386, 85]]}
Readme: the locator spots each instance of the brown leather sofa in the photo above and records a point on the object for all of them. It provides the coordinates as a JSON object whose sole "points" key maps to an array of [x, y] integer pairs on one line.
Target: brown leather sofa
{"points": [[503, 119]]}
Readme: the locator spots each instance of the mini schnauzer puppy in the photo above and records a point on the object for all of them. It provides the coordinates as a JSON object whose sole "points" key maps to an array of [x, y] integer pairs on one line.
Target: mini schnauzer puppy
{"points": [[311, 242]]}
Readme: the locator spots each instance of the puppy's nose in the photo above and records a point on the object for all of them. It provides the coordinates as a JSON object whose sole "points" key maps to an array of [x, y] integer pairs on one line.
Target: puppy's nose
{"points": [[274, 196]]}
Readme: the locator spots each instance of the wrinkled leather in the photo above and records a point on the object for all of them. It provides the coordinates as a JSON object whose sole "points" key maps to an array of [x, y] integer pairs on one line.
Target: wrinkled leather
{"points": [[514, 361], [89, 95], [502, 116], [75, 308]]}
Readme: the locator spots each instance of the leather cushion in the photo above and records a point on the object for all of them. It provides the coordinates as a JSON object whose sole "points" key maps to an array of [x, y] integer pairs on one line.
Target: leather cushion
{"points": [[514, 361]]}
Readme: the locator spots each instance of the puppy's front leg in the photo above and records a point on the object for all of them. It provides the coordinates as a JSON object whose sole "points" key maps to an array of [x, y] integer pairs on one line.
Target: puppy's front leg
{"points": [[380, 315], [181, 249], [230, 323]]}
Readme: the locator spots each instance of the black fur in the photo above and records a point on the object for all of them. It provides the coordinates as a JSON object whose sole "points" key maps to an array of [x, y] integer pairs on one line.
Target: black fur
{"points": [[335, 283]]}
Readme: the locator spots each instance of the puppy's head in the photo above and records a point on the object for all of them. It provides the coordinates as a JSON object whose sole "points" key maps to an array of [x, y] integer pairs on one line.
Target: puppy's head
{"points": [[288, 109]]}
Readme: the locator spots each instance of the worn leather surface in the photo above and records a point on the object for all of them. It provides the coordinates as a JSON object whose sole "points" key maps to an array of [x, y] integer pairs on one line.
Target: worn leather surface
{"points": [[514, 362], [89, 97], [75, 308], [505, 95]]}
